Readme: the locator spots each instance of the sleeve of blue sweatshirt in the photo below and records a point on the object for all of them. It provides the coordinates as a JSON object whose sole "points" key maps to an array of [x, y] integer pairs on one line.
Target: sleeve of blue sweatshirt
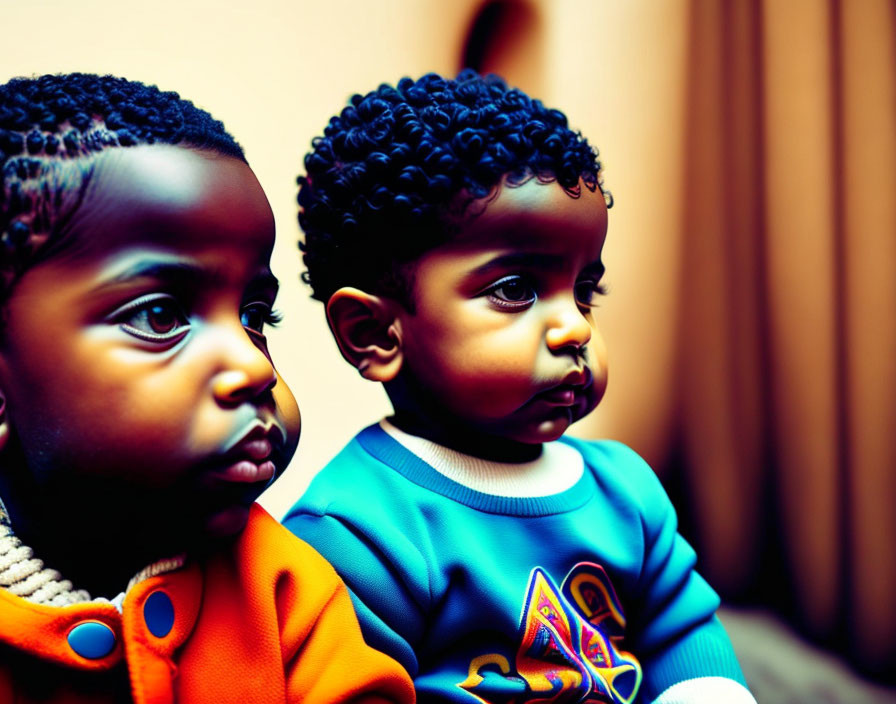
{"points": [[675, 631], [346, 515], [389, 601]]}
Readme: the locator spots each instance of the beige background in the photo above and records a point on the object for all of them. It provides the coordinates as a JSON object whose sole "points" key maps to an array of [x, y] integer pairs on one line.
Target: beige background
{"points": [[274, 72]]}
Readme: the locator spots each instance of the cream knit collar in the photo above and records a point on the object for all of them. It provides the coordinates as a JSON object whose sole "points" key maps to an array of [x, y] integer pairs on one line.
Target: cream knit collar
{"points": [[24, 575]]}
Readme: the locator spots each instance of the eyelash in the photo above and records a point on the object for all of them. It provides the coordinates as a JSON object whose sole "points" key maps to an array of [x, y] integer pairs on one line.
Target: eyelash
{"points": [[270, 316], [593, 287]]}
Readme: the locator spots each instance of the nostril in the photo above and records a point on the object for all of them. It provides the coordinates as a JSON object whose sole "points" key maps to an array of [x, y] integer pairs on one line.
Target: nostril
{"points": [[232, 385]]}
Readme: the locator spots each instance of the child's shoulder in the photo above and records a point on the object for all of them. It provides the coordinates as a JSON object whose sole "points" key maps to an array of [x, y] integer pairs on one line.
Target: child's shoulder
{"points": [[611, 457], [267, 551], [367, 484], [622, 473], [609, 450], [372, 463]]}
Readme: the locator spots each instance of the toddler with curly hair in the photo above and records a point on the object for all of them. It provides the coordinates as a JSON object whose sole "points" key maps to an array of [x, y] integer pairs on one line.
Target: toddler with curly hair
{"points": [[453, 230]]}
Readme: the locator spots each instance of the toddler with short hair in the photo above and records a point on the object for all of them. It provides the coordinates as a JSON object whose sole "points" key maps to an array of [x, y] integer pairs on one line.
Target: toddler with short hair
{"points": [[453, 230], [141, 416]]}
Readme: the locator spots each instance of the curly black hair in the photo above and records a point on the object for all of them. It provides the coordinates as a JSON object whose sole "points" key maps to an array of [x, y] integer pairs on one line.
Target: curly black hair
{"points": [[52, 127], [397, 168]]}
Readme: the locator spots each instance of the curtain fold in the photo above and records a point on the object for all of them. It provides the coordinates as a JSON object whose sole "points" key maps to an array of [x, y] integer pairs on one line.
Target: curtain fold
{"points": [[867, 41], [788, 354], [721, 305]]}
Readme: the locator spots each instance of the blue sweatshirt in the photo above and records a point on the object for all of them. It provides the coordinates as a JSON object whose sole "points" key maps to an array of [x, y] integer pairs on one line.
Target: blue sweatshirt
{"points": [[588, 594]]}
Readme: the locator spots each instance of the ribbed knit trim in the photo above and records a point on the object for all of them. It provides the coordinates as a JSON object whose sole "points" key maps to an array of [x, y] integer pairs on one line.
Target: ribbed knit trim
{"points": [[378, 443], [557, 468]]}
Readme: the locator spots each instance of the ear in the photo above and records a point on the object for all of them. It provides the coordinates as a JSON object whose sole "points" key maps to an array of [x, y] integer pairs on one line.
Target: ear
{"points": [[368, 332]]}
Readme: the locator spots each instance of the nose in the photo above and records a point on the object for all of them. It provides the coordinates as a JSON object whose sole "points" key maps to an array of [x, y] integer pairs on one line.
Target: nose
{"points": [[567, 329], [246, 371]]}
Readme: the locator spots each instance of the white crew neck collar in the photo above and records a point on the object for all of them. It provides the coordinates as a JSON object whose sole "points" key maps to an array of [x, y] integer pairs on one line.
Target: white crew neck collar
{"points": [[555, 470]]}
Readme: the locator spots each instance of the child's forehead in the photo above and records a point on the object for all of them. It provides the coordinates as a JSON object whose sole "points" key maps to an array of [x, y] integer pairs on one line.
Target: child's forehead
{"points": [[171, 196], [537, 216]]}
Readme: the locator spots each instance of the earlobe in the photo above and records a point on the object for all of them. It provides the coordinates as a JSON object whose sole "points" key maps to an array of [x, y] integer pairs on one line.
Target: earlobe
{"points": [[367, 331]]}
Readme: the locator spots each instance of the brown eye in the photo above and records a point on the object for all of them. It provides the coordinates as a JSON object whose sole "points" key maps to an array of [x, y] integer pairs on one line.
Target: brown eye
{"points": [[513, 292], [162, 319], [154, 318]]}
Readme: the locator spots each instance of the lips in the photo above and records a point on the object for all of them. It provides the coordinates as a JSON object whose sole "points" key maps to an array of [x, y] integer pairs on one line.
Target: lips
{"points": [[577, 378], [563, 395], [569, 390], [251, 459]]}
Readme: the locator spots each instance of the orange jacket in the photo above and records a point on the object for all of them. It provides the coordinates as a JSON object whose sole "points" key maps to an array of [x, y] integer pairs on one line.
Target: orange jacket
{"points": [[267, 621]]}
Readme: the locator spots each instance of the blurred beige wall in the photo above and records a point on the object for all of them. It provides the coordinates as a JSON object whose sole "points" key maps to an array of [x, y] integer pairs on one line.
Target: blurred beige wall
{"points": [[274, 71]]}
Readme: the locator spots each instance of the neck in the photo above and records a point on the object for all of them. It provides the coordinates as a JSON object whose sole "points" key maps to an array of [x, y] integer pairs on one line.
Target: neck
{"points": [[89, 538], [418, 413], [463, 438]]}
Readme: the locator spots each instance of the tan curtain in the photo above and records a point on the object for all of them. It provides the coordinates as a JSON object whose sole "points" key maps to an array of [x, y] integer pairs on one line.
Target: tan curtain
{"points": [[788, 352], [782, 367]]}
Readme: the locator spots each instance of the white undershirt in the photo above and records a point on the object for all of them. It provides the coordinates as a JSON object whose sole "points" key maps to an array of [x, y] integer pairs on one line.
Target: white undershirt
{"points": [[555, 470]]}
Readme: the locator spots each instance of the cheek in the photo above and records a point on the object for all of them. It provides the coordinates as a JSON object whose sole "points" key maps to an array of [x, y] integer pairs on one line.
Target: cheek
{"points": [[113, 414], [488, 376], [44, 405], [135, 429], [597, 362], [288, 412]]}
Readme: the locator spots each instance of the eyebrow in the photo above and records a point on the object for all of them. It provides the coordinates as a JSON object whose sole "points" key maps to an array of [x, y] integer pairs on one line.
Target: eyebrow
{"points": [[152, 269], [532, 260], [176, 272]]}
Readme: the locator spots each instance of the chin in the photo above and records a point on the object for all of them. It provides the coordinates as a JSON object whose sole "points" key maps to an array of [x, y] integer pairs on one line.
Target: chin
{"points": [[550, 429]]}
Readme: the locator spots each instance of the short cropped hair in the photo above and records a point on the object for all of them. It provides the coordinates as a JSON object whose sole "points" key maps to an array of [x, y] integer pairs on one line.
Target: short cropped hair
{"points": [[396, 170], [52, 127]]}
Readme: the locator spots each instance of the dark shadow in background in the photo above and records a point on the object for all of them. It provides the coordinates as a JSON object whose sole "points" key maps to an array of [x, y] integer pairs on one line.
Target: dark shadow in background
{"points": [[500, 33]]}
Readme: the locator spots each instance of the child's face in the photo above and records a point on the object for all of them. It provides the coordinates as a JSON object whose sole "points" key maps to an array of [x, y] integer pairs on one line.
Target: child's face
{"points": [[133, 362], [503, 342]]}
